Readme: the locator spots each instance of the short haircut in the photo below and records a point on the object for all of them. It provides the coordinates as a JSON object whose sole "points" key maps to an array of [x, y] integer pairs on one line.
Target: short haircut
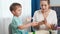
{"points": [[13, 6], [46, 0]]}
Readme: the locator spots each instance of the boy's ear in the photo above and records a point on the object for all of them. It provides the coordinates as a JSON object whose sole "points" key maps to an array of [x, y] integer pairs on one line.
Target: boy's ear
{"points": [[13, 12]]}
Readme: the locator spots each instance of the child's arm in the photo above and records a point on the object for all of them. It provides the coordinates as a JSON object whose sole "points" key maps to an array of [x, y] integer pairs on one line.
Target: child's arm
{"points": [[24, 26], [27, 25]]}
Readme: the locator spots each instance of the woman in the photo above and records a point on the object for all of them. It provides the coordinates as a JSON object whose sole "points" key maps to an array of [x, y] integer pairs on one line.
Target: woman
{"points": [[45, 17]]}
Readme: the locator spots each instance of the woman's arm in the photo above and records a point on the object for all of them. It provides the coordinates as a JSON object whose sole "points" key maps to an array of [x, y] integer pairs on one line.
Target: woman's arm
{"points": [[54, 21], [50, 26]]}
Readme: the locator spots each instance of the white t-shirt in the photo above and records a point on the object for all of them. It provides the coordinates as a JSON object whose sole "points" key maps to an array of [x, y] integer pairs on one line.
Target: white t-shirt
{"points": [[51, 18]]}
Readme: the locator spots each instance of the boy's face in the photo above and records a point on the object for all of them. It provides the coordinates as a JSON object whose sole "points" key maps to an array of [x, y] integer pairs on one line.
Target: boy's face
{"points": [[44, 5], [18, 11]]}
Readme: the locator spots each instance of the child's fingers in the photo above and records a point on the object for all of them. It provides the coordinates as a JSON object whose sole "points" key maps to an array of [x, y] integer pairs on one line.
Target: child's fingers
{"points": [[34, 24], [28, 18]]}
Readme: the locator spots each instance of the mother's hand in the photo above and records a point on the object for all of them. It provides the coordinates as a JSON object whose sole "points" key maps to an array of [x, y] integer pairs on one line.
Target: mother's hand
{"points": [[53, 27]]}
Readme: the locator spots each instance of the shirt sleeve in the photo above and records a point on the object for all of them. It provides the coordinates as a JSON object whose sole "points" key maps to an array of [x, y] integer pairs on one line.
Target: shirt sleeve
{"points": [[16, 23], [34, 17], [54, 18]]}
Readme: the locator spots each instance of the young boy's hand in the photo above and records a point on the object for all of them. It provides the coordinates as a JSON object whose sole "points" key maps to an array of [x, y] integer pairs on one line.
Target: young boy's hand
{"points": [[34, 23], [28, 19]]}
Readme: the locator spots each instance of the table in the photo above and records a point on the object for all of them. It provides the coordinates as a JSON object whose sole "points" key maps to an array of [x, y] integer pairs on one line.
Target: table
{"points": [[43, 32]]}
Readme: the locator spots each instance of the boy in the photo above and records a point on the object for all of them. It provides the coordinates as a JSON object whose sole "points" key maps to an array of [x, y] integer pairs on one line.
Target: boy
{"points": [[17, 26]]}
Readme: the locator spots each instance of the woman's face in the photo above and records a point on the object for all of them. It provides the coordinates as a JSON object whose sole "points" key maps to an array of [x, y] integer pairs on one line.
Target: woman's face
{"points": [[44, 6]]}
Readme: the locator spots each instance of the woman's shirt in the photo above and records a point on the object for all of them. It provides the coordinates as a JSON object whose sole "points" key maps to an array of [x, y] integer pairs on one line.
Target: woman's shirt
{"points": [[51, 18]]}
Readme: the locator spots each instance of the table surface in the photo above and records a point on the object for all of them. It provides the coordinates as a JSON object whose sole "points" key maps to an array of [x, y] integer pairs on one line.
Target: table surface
{"points": [[44, 32]]}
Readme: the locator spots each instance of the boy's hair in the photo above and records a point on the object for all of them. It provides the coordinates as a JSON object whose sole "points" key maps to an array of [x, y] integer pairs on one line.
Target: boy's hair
{"points": [[13, 6], [46, 0]]}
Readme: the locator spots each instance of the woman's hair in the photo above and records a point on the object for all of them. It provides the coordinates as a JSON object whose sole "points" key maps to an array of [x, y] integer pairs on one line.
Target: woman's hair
{"points": [[46, 0]]}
